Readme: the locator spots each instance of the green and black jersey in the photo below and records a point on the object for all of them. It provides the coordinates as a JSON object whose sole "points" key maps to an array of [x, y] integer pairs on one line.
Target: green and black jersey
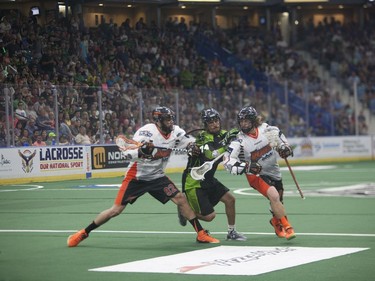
{"points": [[211, 146]]}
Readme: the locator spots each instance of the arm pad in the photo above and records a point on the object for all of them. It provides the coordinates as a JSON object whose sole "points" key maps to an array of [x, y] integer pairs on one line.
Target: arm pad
{"points": [[230, 135]]}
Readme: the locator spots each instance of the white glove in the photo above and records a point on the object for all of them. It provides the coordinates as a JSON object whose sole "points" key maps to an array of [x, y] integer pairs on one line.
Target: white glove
{"points": [[238, 168]]}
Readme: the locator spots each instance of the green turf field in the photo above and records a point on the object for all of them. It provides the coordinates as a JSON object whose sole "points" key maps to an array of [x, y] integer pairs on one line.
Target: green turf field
{"points": [[36, 219]]}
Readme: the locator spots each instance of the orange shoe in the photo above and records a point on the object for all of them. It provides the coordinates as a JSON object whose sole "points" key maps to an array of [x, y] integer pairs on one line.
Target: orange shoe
{"points": [[290, 233], [205, 237], [76, 238], [279, 229]]}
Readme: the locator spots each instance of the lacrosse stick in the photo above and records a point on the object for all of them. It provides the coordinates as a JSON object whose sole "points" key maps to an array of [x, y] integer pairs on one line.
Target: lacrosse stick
{"points": [[272, 134], [125, 144], [198, 173], [294, 178], [194, 131]]}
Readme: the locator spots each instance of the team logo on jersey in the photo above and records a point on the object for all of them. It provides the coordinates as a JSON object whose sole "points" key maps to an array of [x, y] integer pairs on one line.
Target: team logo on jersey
{"points": [[262, 153], [145, 133]]}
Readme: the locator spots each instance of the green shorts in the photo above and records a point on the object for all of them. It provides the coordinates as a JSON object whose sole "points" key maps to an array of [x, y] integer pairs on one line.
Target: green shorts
{"points": [[203, 199]]}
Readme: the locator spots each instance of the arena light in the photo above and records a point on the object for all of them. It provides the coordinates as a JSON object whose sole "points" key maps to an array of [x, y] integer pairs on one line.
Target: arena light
{"points": [[199, 0], [247, 1], [304, 1]]}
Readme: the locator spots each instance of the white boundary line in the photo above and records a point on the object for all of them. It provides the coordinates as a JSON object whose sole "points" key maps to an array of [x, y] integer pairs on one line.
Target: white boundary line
{"points": [[177, 232], [29, 187]]}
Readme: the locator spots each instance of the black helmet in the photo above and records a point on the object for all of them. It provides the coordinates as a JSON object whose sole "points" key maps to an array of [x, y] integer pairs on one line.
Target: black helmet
{"points": [[249, 113], [209, 114], [162, 112]]}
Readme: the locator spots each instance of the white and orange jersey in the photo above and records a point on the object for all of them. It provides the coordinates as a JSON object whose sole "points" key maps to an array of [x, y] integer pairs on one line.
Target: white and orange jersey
{"points": [[150, 169], [254, 148]]}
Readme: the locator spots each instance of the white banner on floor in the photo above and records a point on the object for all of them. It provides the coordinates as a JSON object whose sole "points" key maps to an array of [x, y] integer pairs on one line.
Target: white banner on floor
{"points": [[231, 260]]}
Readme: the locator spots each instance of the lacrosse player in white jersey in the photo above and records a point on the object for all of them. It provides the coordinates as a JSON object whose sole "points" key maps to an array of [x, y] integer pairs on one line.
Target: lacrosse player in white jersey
{"points": [[146, 174], [251, 154]]}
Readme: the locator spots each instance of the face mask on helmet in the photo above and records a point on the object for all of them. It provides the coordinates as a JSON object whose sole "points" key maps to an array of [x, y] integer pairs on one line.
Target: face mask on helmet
{"points": [[162, 113], [208, 117], [162, 117], [249, 114]]}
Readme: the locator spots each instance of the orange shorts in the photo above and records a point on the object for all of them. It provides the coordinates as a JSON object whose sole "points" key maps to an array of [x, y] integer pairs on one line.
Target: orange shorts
{"points": [[258, 183]]}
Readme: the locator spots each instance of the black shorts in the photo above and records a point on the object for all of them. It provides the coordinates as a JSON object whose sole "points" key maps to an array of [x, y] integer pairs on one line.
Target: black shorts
{"points": [[202, 200], [162, 189], [278, 184]]}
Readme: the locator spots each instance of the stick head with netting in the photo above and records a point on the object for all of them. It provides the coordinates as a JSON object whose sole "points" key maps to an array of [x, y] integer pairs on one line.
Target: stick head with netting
{"points": [[273, 135], [125, 144], [198, 173]]}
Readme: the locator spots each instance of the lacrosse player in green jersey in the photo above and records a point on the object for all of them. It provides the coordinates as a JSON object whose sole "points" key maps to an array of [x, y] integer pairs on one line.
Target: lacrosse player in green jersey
{"points": [[203, 195]]}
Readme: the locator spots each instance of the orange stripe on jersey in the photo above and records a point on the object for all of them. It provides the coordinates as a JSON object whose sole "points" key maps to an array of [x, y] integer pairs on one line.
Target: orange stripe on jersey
{"points": [[130, 175], [258, 183], [254, 135], [257, 154]]}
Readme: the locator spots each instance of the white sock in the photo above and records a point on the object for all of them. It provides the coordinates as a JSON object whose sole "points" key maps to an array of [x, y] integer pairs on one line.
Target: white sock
{"points": [[231, 227]]}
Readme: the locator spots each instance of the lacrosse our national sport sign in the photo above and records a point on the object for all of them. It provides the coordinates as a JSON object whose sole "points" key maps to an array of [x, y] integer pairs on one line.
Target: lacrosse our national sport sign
{"points": [[25, 164]]}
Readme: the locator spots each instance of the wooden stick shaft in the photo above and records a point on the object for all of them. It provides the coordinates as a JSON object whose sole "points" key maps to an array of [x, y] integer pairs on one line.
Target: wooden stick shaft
{"points": [[294, 178]]}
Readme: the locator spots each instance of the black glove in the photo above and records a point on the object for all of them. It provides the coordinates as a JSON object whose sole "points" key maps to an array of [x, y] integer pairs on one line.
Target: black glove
{"points": [[230, 135], [146, 150], [284, 151], [255, 168], [238, 168], [193, 149]]}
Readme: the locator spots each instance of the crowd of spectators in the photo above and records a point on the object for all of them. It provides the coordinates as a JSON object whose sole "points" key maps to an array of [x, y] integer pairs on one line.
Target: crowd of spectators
{"points": [[344, 56], [348, 52], [67, 69]]}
